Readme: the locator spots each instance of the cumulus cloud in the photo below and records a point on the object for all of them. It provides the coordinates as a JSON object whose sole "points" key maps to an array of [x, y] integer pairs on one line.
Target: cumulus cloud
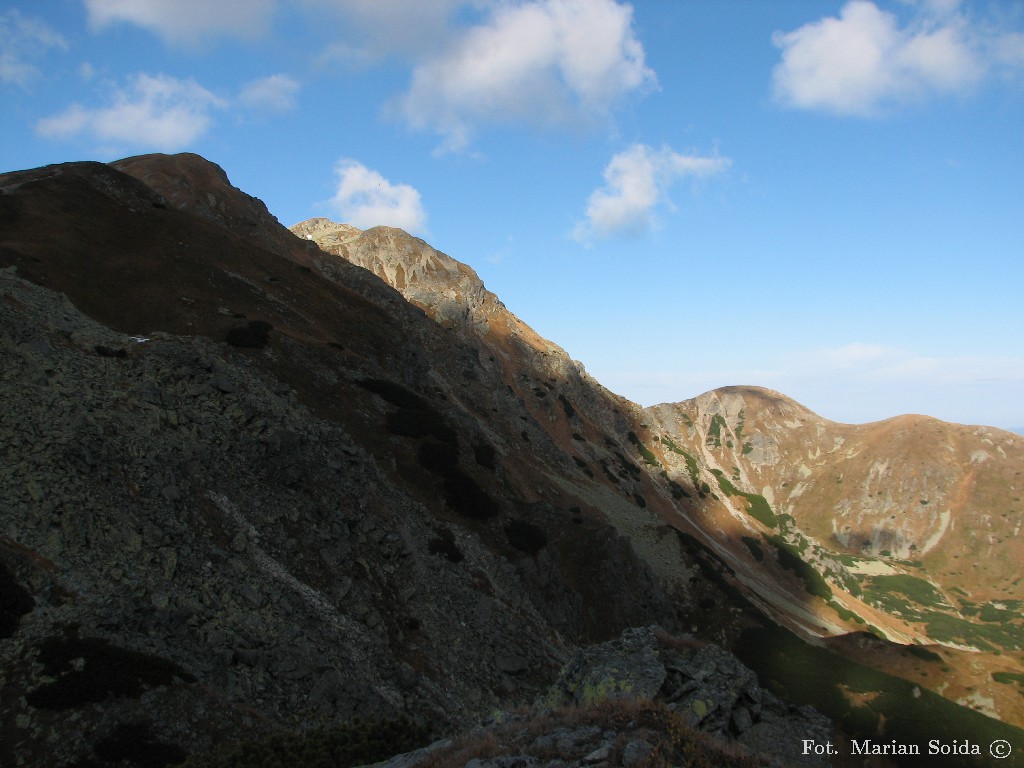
{"points": [[186, 21], [158, 112], [863, 60], [23, 39], [539, 62], [637, 181], [275, 93], [856, 354], [375, 28], [366, 199]]}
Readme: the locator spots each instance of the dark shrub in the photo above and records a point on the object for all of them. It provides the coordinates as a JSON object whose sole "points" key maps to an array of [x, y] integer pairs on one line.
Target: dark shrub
{"points": [[445, 545], [583, 466], [439, 458], [466, 497], [420, 423], [103, 351], [106, 671], [135, 743], [15, 602], [677, 490], [355, 743], [755, 548], [526, 537], [567, 407], [255, 334], [485, 456], [394, 393]]}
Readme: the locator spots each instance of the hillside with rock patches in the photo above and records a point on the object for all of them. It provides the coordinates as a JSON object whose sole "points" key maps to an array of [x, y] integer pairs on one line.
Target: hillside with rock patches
{"points": [[302, 496]]}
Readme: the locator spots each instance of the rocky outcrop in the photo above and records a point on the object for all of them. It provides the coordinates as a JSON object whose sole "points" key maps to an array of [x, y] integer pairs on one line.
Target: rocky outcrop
{"points": [[712, 690], [644, 694]]}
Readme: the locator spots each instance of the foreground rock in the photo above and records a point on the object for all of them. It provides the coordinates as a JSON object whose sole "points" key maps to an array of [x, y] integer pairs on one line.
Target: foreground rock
{"points": [[645, 698]]}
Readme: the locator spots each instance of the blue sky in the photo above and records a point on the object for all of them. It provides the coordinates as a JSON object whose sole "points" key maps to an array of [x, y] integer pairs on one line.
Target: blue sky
{"points": [[823, 198]]}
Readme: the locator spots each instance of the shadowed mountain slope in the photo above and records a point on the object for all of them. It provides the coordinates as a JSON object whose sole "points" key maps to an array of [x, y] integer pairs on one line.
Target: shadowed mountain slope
{"points": [[251, 479]]}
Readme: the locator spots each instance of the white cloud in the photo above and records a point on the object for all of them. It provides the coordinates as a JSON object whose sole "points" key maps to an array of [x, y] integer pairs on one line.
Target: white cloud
{"points": [[186, 21], [856, 354], [373, 28], [366, 199], [275, 93], [636, 183], [539, 62], [159, 112], [23, 39], [863, 60]]}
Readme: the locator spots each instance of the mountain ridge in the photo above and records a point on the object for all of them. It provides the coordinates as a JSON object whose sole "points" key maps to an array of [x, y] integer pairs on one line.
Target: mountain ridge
{"points": [[889, 542], [297, 439]]}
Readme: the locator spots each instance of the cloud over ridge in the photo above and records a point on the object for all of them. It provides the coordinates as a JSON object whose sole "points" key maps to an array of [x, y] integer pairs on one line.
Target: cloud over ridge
{"points": [[364, 199], [152, 111], [539, 62], [636, 182]]}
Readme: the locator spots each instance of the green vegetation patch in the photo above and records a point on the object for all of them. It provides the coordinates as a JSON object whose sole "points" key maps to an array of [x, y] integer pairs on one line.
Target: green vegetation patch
{"points": [[986, 637], [1009, 678], [999, 613], [919, 590], [791, 560], [649, 457], [805, 674], [845, 613], [714, 436], [761, 510], [757, 505], [669, 443]]}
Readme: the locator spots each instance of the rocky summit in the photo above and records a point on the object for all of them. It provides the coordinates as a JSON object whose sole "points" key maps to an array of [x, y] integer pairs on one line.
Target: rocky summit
{"points": [[273, 497]]}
